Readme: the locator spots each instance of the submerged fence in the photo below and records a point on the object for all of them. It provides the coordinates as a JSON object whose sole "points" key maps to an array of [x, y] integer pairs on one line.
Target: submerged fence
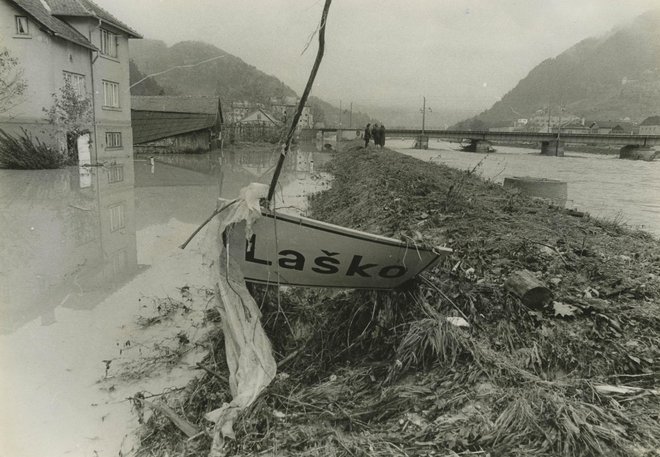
{"points": [[237, 133]]}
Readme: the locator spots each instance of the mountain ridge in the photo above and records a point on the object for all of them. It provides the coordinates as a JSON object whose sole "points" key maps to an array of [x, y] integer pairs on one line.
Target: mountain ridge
{"points": [[227, 77], [612, 77]]}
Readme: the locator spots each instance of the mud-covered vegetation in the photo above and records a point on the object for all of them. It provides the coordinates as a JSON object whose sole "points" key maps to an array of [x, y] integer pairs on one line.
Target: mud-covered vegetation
{"points": [[387, 373]]}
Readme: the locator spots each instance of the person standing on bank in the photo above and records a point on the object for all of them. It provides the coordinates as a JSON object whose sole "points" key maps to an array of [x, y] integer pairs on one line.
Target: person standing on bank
{"points": [[367, 135], [381, 136], [374, 134]]}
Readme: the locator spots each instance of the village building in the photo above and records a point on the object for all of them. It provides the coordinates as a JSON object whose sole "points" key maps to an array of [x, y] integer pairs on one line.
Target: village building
{"points": [[575, 127], [612, 128], [74, 41], [260, 117], [285, 107], [238, 110], [650, 126], [172, 124], [542, 122]]}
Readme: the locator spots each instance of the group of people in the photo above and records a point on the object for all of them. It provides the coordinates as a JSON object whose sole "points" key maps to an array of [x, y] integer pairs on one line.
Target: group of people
{"points": [[377, 132]]}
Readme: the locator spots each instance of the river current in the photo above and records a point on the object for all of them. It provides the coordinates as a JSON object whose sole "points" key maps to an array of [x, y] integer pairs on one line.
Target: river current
{"points": [[625, 191]]}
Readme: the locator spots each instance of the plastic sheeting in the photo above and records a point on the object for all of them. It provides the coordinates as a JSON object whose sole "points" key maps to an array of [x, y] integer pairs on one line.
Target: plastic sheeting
{"points": [[249, 355]]}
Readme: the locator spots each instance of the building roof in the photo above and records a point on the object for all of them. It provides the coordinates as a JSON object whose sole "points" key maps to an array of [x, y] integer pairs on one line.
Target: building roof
{"points": [[268, 116], [40, 12], [157, 117], [652, 120], [86, 8], [175, 104], [152, 125]]}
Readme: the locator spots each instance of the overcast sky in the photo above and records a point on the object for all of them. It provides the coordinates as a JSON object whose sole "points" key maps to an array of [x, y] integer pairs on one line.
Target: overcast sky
{"points": [[458, 53]]}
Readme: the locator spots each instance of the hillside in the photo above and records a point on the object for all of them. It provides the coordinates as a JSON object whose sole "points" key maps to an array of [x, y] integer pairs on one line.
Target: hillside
{"points": [[612, 77], [227, 77]]}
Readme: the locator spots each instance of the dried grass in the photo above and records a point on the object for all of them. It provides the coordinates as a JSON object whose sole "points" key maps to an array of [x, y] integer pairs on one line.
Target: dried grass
{"points": [[385, 373]]}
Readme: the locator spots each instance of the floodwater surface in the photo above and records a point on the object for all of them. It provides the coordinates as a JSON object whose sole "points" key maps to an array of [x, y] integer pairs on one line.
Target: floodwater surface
{"points": [[83, 250]]}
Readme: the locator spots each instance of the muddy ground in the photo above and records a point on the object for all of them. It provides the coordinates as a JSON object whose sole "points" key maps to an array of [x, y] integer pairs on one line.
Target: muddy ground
{"points": [[386, 373]]}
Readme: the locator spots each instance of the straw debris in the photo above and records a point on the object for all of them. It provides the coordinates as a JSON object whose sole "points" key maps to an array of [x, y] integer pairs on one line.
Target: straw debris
{"points": [[391, 374]]}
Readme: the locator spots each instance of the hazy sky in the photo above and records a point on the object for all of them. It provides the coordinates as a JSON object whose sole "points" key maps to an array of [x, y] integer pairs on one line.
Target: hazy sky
{"points": [[458, 53]]}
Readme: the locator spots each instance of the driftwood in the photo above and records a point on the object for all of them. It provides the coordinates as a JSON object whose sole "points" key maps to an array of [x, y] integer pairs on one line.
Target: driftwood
{"points": [[186, 427], [531, 291]]}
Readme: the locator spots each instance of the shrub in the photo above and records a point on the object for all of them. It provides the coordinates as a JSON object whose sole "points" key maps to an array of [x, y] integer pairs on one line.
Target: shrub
{"points": [[24, 152]]}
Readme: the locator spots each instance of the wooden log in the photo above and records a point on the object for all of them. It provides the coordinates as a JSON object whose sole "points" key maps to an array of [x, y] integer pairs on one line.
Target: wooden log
{"points": [[182, 424], [531, 291]]}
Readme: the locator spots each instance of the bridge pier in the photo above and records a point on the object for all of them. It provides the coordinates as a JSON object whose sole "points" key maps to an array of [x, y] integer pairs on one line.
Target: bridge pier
{"points": [[636, 152], [421, 142], [552, 148], [478, 146]]}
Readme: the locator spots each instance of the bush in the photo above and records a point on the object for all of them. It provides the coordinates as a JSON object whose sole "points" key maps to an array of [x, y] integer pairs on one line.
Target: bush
{"points": [[24, 152]]}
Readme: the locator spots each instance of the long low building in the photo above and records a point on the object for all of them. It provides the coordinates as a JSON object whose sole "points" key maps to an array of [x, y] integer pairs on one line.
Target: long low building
{"points": [[174, 124]]}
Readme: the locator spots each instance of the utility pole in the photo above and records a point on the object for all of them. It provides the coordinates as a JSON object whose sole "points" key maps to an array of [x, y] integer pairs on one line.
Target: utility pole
{"points": [[561, 108], [423, 115], [350, 117], [423, 140], [339, 113]]}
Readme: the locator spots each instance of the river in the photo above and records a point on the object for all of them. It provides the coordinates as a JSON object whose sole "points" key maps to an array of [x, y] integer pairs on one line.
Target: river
{"points": [[605, 186]]}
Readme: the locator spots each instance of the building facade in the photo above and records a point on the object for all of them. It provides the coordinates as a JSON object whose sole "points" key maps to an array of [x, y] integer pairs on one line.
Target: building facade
{"points": [[285, 107], [650, 126], [74, 41]]}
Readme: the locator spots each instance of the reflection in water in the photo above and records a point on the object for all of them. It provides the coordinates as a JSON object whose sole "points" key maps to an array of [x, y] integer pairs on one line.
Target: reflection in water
{"points": [[69, 239], [73, 236]]}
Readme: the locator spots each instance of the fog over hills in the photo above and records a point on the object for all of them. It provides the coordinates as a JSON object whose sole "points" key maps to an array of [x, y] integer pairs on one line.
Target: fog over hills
{"points": [[232, 79], [612, 77]]}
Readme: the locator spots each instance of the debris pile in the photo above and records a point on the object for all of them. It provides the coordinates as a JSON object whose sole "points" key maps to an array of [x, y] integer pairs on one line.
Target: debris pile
{"points": [[537, 336]]}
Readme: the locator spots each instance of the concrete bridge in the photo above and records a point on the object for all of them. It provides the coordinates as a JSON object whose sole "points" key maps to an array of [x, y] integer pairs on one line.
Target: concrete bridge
{"points": [[551, 143]]}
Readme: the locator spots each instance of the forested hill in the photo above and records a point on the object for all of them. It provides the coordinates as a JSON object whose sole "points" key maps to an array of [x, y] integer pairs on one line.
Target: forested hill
{"points": [[228, 77], [612, 77]]}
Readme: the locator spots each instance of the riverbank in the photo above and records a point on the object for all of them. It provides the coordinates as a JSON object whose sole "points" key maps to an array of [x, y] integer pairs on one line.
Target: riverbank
{"points": [[387, 373]]}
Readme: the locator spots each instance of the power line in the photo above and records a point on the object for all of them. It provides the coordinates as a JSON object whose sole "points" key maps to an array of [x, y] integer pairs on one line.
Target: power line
{"points": [[174, 68]]}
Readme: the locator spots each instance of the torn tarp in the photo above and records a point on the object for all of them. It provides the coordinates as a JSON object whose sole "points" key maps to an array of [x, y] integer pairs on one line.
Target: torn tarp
{"points": [[248, 350]]}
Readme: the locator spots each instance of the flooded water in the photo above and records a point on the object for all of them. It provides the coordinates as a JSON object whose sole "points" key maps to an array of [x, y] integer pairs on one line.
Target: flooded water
{"points": [[626, 191], [80, 246], [81, 249]]}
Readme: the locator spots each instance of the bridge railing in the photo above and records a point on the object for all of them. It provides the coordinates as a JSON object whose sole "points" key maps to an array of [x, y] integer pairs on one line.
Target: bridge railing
{"points": [[588, 138]]}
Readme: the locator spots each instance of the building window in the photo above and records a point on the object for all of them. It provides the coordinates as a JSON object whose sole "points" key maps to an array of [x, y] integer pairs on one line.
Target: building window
{"points": [[113, 139], [22, 25], [116, 173], [77, 83], [110, 94], [117, 219], [109, 43]]}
